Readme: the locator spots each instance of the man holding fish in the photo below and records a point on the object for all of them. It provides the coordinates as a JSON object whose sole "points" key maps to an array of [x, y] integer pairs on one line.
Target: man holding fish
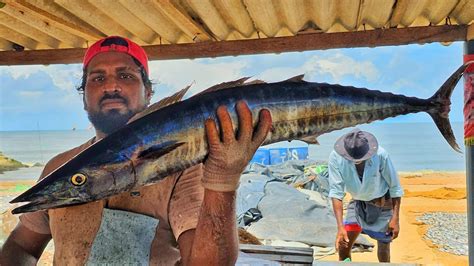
{"points": [[358, 165], [188, 217], [164, 177]]}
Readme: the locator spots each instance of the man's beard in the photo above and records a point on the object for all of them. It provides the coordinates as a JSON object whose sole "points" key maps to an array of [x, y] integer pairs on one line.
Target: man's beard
{"points": [[111, 121]]}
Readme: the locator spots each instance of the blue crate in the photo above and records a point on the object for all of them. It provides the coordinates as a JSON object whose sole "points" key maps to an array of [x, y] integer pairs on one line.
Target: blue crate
{"points": [[262, 156], [279, 155]]}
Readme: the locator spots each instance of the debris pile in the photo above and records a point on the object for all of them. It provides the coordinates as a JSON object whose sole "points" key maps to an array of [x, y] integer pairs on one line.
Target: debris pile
{"points": [[448, 231], [288, 204]]}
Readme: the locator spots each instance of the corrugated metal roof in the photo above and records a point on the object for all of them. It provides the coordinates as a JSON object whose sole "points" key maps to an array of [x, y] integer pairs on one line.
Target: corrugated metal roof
{"points": [[56, 24]]}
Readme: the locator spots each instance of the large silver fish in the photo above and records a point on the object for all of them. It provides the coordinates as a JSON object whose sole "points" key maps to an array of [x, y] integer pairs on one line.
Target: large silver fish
{"points": [[171, 139]]}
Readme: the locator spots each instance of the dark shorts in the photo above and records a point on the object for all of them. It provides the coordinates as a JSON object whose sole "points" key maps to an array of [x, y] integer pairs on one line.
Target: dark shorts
{"points": [[376, 230]]}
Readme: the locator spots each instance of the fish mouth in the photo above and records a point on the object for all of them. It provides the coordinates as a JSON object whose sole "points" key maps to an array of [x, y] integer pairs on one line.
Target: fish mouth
{"points": [[38, 200], [42, 204]]}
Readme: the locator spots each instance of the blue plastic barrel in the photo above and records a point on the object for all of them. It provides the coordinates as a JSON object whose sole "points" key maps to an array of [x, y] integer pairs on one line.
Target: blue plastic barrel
{"points": [[262, 156], [280, 155]]}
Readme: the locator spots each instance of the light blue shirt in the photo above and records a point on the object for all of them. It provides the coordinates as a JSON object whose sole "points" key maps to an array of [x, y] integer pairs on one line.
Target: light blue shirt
{"points": [[379, 177]]}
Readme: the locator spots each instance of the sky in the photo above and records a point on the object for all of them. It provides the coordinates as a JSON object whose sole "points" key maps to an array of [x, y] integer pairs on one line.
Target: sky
{"points": [[42, 97]]}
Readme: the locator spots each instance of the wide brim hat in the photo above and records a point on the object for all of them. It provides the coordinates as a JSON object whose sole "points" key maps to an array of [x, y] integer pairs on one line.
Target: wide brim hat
{"points": [[357, 145]]}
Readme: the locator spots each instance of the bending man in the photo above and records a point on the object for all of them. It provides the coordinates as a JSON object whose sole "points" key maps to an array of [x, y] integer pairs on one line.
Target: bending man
{"points": [[358, 165]]}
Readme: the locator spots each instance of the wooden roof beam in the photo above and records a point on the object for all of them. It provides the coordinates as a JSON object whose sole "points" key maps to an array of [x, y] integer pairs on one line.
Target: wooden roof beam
{"points": [[182, 20], [374, 13], [54, 20], [305, 42], [463, 12], [235, 14], [470, 33], [295, 14], [26, 16], [347, 13], [18, 38], [264, 16], [87, 12], [156, 20], [323, 13], [28, 31], [405, 12], [436, 11], [126, 19], [5, 45], [211, 17]]}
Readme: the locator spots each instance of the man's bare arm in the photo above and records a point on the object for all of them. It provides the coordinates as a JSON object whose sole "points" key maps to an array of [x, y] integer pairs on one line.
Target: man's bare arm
{"points": [[394, 224], [396, 202], [337, 208], [341, 239], [215, 239], [23, 247]]}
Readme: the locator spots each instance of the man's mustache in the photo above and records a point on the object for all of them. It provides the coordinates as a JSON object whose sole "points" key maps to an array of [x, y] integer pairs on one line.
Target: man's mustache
{"points": [[113, 96]]}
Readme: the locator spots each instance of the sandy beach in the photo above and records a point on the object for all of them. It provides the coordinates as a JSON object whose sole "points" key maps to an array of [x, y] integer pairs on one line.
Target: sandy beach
{"points": [[425, 192]]}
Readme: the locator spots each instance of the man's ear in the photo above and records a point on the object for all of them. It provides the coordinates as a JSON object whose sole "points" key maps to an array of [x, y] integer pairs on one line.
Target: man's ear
{"points": [[84, 100], [148, 94]]}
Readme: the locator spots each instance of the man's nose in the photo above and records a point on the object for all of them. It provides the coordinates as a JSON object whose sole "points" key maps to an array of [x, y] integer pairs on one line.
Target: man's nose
{"points": [[111, 85]]}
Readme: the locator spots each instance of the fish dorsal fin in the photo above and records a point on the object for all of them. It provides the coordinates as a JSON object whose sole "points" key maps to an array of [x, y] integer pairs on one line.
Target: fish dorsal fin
{"points": [[156, 151], [298, 78], [225, 85], [256, 81], [178, 96], [310, 139]]}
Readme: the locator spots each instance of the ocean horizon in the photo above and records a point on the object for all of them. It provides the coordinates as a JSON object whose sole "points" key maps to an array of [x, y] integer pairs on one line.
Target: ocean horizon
{"points": [[412, 146]]}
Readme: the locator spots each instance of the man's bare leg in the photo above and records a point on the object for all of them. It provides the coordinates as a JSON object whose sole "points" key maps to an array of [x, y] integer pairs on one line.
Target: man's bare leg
{"points": [[383, 251], [345, 252]]}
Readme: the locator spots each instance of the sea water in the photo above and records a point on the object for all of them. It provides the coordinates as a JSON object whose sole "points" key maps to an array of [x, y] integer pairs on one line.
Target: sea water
{"points": [[412, 147]]}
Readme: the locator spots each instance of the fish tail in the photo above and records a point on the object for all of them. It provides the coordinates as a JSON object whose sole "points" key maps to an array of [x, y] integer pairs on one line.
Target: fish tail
{"points": [[440, 106]]}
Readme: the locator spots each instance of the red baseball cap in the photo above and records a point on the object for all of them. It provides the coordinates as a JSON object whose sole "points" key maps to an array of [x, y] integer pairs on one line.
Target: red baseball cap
{"points": [[117, 44]]}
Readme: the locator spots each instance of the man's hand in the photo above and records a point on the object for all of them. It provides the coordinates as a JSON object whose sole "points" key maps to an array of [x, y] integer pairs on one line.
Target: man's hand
{"points": [[393, 227], [229, 154], [342, 240]]}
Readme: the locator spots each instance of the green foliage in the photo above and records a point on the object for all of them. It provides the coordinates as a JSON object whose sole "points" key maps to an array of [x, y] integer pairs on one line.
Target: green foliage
{"points": [[9, 164]]}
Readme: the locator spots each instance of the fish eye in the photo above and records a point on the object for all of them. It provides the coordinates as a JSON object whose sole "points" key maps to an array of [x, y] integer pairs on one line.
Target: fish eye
{"points": [[78, 179]]}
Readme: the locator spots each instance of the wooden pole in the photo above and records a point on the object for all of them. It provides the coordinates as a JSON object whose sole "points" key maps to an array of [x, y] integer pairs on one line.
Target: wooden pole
{"points": [[469, 143]]}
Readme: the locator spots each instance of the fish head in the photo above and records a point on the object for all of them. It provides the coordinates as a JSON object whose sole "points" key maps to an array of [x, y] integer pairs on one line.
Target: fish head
{"points": [[66, 187]]}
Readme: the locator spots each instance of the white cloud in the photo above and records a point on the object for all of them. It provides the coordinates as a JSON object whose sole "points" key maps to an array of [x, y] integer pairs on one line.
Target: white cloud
{"points": [[64, 77], [180, 73], [21, 71], [336, 65], [404, 85], [280, 73], [31, 94], [340, 65]]}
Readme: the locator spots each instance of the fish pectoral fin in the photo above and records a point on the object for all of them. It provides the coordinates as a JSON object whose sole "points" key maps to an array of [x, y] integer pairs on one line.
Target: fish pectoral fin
{"points": [[156, 151], [310, 140]]}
